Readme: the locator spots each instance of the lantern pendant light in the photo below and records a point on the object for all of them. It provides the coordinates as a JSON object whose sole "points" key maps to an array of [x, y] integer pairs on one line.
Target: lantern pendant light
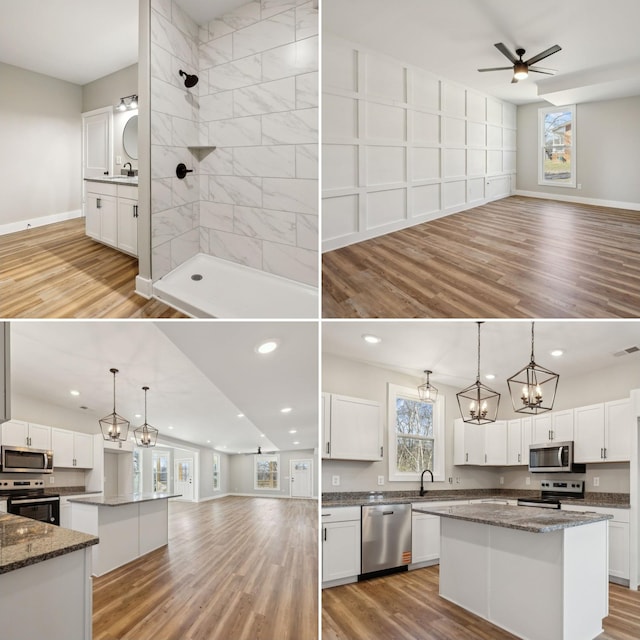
{"points": [[146, 435], [478, 403], [114, 427], [426, 391], [533, 388]]}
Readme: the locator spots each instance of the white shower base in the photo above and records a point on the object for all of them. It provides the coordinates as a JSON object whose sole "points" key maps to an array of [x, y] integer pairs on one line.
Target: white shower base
{"points": [[230, 290]]}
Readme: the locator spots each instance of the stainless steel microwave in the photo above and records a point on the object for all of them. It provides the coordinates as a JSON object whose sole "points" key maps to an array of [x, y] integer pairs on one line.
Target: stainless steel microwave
{"points": [[25, 460], [552, 457]]}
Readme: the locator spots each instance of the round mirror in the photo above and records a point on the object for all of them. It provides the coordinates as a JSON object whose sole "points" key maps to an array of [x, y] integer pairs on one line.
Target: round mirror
{"points": [[130, 137]]}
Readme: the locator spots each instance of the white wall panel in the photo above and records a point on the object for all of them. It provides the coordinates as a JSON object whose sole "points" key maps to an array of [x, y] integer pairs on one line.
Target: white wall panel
{"points": [[509, 138], [384, 79], [476, 162], [339, 66], [454, 194], [476, 136], [494, 111], [475, 189], [385, 123], [509, 161], [339, 216], [425, 90], [426, 199], [453, 132], [339, 166], [426, 163], [498, 187], [476, 106], [453, 99], [385, 165], [454, 163], [384, 207], [509, 115], [339, 117], [494, 137], [426, 128], [494, 161]]}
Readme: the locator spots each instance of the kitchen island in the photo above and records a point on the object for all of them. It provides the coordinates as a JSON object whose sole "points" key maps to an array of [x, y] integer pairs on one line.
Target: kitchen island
{"points": [[47, 567], [541, 574], [128, 526]]}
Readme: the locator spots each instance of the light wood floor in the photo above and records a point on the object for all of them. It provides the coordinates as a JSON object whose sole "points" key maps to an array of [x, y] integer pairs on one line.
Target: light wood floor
{"points": [[407, 606], [235, 569], [516, 257], [56, 271]]}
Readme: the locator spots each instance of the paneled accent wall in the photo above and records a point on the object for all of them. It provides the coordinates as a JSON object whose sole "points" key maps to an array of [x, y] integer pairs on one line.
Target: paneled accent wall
{"points": [[252, 200], [402, 146]]}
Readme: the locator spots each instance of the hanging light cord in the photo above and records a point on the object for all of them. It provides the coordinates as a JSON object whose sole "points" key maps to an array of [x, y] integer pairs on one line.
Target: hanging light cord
{"points": [[532, 358], [478, 376]]}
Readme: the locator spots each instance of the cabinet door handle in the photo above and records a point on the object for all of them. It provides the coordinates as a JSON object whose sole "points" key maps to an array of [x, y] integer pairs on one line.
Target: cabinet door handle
{"points": [[485, 458], [135, 210], [466, 457], [325, 534], [99, 203], [519, 458], [381, 452], [601, 452], [328, 448], [605, 452]]}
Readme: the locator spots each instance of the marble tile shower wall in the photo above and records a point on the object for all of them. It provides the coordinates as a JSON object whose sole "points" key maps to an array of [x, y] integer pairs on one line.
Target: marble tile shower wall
{"points": [[254, 199]]}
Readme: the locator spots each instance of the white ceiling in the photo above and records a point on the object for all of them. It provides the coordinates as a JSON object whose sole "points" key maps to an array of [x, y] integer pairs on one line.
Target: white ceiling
{"points": [[200, 375], [455, 38], [203, 11], [449, 348], [73, 40]]}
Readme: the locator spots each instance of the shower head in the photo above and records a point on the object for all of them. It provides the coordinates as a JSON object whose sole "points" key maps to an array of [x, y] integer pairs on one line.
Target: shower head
{"points": [[189, 80]]}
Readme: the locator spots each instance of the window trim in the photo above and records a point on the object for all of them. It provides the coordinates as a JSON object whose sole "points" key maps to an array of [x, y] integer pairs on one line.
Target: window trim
{"points": [[216, 475], [393, 391], [256, 457], [542, 112]]}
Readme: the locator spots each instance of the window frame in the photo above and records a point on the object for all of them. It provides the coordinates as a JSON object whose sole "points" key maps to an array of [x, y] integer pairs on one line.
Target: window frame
{"points": [[263, 456], [216, 472], [542, 112], [393, 392]]}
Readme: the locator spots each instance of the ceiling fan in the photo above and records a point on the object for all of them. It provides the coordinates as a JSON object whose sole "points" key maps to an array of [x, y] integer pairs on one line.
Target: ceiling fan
{"points": [[522, 67]]}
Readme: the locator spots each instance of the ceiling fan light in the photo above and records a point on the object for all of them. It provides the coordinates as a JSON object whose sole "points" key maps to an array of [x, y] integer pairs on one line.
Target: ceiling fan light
{"points": [[520, 71]]}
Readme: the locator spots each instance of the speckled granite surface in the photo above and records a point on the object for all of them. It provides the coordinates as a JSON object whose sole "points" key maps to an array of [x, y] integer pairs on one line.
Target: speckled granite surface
{"points": [[24, 542], [523, 518], [354, 499], [68, 491], [117, 501]]}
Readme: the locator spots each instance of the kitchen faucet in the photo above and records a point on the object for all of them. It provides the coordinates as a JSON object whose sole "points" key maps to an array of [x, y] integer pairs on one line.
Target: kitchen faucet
{"points": [[422, 491]]}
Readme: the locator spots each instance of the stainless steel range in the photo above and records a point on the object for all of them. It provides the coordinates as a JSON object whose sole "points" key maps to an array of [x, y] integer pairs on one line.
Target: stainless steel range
{"points": [[28, 498], [552, 491]]}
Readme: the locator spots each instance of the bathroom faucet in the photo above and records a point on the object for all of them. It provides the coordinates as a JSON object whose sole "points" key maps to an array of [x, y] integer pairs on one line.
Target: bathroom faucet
{"points": [[125, 166], [422, 491]]}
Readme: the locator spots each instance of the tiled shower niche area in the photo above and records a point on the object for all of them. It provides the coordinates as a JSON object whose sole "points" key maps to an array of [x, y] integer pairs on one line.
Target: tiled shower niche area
{"points": [[248, 131]]}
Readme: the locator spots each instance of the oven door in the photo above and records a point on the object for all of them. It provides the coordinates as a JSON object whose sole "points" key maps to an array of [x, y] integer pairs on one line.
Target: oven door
{"points": [[45, 509], [549, 458]]}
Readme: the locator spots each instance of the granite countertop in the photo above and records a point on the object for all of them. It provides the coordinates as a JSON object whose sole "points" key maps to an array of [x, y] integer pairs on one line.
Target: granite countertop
{"points": [[530, 519], [118, 501], [362, 498], [133, 180], [24, 542]]}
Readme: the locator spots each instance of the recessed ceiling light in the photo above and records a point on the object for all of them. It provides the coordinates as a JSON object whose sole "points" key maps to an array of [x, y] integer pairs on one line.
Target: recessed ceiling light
{"points": [[241, 415], [170, 427], [285, 410], [490, 376], [137, 415], [296, 442], [267, 346], [262, 435], [73, 392], [208, 441], [371, 339], [556, 353], [292, 431]]}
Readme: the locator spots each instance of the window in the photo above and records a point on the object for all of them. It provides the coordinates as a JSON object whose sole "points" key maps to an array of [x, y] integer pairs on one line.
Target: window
{"points": [[266, 472], [556, 148], [137, 471], [216, 472], [161, 471], [416, 435]]}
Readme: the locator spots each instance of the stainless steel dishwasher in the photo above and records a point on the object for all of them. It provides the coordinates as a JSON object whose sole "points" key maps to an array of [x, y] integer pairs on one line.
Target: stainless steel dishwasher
{"points": [[386, 537]]}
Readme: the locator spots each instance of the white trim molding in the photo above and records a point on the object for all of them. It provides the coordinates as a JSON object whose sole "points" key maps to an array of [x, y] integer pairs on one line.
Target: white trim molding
{"points": [[614, 204], [144, 287], [32, 223]]}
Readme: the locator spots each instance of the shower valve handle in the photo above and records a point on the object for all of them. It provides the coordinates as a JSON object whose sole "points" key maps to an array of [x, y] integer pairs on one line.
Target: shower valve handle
{"points": [[181, 170]]}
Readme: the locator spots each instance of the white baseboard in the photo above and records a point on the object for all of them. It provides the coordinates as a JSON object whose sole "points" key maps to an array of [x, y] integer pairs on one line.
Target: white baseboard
{"points": [[31, 223], [144, 287], [614, 204], [221, 495]]}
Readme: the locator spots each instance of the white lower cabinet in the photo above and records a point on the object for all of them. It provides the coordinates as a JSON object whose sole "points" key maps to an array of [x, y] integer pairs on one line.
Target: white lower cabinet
{"points": [[618, 538], [340, 545]]}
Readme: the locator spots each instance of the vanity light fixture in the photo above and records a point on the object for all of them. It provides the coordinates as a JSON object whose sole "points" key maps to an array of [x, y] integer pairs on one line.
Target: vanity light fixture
{"points": [[533, 388], [478, 403], [146, 435], [114, 427], [128, 102], [426, 391]]}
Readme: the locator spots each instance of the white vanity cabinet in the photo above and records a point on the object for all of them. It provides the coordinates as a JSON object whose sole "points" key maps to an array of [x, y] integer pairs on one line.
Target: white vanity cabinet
{"points": [[340, 545], [111, 213], [72, 449], [16, 433]]}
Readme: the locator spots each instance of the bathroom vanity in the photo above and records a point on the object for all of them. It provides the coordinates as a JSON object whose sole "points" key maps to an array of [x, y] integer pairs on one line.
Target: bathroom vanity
{"points": [[111, 212]]}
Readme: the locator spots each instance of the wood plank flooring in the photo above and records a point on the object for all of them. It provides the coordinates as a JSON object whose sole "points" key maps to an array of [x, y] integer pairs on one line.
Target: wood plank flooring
{"points": [[407, 606], [513, 258], [56, 271], [235, 569]]}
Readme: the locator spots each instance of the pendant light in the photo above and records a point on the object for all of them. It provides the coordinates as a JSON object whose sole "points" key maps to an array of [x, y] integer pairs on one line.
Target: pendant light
{"points": [[478, 403], [114, 427], [146, 435], [533, 388], [426, 391]]}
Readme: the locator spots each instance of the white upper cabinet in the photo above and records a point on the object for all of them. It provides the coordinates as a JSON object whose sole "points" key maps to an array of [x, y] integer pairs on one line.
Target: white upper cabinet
{"points": [[541, 428], [355, 429], [553, 426], [480, 444], [495, 443], [514, 442], [5, 391], [72, 449], [16, 433], [325, 423], [603, 432], [618, 422]]}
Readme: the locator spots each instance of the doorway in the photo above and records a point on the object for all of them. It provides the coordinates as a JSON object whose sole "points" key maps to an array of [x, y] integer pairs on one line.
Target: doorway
{"points": [[184, 478], [301, 474]]}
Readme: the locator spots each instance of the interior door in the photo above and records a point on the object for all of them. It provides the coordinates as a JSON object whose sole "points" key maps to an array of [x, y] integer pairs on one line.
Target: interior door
{"points": [[301, 480], [97, 144], [184, 478]]}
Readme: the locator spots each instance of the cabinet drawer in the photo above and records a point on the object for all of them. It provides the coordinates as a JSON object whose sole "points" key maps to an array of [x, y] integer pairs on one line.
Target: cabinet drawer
{"points": [[127, 191], [619, 515], [340, 514], [102, 188]]}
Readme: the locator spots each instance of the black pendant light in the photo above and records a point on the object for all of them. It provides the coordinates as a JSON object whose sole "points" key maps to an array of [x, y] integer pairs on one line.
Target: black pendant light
{"points": [[114, 427], [426, 391], [478, 403], [533, 388], [146, 435]]}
